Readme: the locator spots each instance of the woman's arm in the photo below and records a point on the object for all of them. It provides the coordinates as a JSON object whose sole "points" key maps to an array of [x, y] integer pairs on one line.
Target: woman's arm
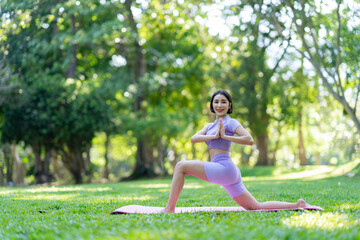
{"points": [[243, 137], [202, 137]]}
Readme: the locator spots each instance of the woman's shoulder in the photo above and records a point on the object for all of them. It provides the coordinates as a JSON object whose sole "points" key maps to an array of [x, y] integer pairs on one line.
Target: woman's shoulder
{"points": [[207, 126], [233, 123]]}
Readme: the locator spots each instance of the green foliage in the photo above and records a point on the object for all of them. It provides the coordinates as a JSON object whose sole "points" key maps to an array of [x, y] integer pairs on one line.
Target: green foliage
{"points": [[63, 100], [82, 211], [46, 42], [52, 115]]}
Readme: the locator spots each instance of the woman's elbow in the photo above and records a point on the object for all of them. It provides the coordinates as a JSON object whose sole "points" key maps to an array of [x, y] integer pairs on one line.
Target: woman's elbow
{"points": [[251, 141]]}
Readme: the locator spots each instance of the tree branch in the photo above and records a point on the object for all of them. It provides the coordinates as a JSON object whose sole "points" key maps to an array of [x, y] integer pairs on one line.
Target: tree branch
{"points": [[279, 60], [338, 49], [357, 97], [340, 99], [317, 51], [311, 57]]}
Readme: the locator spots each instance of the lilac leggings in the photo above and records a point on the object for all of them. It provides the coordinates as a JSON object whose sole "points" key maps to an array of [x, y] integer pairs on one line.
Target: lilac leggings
{"points": [[221, 170]]}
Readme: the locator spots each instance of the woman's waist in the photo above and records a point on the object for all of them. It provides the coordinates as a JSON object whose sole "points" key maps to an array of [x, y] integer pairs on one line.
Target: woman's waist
{"points": [[219, 154]]}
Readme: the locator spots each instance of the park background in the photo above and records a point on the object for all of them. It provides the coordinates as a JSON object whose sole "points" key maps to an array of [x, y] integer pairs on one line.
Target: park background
{"points": [[113, 90]]}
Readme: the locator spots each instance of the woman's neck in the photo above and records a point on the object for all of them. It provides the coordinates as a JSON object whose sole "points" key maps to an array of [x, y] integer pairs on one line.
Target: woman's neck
{"points": [[217, 117]]}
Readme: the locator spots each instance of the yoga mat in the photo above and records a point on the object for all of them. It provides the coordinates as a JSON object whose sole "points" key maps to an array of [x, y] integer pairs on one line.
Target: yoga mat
{"points": [[130, 209]]}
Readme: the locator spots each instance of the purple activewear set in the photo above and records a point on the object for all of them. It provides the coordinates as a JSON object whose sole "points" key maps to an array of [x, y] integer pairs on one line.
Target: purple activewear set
{"points": [[221, 170]]}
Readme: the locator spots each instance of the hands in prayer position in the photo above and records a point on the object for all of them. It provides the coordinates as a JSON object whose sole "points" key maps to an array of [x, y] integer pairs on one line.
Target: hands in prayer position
{"points": [[220, 133]]}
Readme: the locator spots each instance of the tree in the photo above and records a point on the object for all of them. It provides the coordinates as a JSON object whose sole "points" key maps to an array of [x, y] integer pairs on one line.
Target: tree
{"points": [[45, 47], [8, 89], [251, 77], [296, 90], [332, 49], [165, 59]]}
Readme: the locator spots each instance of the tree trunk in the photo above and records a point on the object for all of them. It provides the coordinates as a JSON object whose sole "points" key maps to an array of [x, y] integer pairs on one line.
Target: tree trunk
{"points": [[244, 160], [77, 170], [144, 162], [1, 174], [55, 165], [273, 153], [73, 161], [2, 167], [302, 153], [88, 169], [46, 174], [317, 158], [19, 168], [106, 156], [8, 163], [160, 159], [351, 149], [262, 146], [36, 148], [150, 163], [77, 167], [72, 157]]}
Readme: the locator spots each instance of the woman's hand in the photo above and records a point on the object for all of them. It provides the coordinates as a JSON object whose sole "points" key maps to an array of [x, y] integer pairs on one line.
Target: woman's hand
{"points": [[217, 134], [222, 129]]}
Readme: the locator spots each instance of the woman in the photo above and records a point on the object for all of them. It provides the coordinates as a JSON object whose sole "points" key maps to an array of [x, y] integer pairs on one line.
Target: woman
{"points": [[221, 170]]}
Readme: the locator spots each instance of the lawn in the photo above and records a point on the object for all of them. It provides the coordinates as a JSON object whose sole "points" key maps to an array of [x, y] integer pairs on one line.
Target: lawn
{"points": [[81, 211]]}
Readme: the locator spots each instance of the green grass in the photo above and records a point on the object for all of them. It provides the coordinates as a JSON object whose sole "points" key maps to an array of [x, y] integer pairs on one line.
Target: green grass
{"points": [[81, 211]]}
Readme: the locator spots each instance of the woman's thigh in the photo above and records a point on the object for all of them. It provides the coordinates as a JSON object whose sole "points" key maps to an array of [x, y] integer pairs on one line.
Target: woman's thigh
{"points": [[223, 173], [193, 167]]}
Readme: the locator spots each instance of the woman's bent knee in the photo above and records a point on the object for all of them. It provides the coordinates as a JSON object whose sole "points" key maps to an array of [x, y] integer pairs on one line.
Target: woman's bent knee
{"points": [[253, 206], [247, 201], [180, 166]]}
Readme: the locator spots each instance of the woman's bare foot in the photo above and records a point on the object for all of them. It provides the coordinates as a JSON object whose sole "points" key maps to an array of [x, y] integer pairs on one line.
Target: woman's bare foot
{"points": [[165, 210], [302, 204]]}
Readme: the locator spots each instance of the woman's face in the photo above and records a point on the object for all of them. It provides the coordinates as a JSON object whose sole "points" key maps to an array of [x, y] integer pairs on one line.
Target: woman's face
{"points": [[220, 105]]}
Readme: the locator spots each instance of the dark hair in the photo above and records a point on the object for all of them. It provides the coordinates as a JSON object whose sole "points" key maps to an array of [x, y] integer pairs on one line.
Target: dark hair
{"points": [[227, 95]]}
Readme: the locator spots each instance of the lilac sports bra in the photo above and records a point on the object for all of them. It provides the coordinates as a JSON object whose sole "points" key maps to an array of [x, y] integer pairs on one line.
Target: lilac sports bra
{"points": [[230, 126]]}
